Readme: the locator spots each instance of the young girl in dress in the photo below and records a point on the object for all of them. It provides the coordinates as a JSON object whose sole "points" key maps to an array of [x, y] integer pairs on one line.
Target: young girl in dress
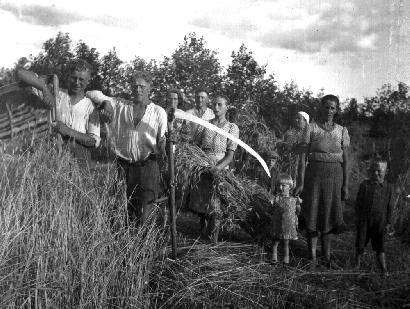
{"points": [[284, 222]]}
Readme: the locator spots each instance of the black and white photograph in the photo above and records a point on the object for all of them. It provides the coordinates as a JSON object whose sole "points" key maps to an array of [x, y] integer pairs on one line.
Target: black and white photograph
{"points": [[205, 154]]}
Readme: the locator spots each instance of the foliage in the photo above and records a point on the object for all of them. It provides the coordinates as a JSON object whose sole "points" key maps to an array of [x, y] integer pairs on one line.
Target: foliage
{"points": [[55, 57], [242, 77], [112, 74], [6, 76]]}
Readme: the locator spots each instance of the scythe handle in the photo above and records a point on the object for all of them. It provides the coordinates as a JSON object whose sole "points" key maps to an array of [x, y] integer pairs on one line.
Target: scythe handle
{"points": [[52, 113], [171, 197]]}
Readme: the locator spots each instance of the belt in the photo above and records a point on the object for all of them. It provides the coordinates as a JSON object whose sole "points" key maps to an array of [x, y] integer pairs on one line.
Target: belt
{"points": [[151, 157]]}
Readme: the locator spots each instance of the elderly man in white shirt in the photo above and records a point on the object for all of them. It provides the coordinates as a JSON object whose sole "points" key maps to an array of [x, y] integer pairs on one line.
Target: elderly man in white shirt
{"points": [[137, 137], [77, 120], [201, 110]]}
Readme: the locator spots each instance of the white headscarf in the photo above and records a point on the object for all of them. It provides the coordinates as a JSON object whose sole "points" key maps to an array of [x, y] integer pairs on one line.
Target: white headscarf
{"points": [[305, 115]]}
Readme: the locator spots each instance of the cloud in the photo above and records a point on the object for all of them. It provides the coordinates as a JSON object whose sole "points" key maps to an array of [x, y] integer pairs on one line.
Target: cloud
{"points": [[351, 27], [232, 29], [42, 15], [57, 16]]}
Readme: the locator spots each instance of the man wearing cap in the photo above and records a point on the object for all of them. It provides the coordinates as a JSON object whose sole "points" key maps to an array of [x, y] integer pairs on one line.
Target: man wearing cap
{"points": [[137, 137]]}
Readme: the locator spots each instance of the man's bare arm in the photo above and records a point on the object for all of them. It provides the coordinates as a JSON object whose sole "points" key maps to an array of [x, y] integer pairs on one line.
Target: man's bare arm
{"points": [[31, 79], [81, 138]]}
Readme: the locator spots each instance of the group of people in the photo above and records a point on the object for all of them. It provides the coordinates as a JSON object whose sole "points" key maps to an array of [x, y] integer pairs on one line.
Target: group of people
{"points": [[317, 169]]}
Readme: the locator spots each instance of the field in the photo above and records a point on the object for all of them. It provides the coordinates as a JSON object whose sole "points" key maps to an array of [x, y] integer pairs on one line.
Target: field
{"points": [[65, 244]]}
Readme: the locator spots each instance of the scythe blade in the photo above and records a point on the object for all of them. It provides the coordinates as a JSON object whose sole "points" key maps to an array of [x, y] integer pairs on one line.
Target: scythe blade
{"points": [[179, 114]]}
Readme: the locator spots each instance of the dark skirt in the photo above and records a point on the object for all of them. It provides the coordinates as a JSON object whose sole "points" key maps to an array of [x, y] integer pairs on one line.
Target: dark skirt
{"points": [[202, 199], [322, 209]]}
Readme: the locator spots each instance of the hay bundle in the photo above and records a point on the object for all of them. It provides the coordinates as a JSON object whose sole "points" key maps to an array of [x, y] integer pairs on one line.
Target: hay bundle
{"points": [[256, 134], [191, 162], [244, 202]]}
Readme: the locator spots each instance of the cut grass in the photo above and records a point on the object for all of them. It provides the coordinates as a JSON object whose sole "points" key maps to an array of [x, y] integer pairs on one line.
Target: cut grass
{"points": [[234, 274], [64, 244]]}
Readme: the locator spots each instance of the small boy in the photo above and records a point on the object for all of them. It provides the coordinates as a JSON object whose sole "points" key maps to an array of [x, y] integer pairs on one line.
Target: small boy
{"points": [[373, 213]]}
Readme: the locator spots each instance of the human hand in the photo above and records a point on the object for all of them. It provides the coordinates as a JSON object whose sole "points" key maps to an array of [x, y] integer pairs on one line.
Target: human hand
{"points": [[60, 128], [106, 112], [298, 190], [389, 230], [214, 169], [48, 98], [171, 114], [345, 193], [171, 136]]}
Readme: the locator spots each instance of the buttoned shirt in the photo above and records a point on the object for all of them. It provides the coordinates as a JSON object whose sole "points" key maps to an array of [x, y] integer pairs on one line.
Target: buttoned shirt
{"points": [[207, 115], [130, 141], [81, 116], [374, 203]]}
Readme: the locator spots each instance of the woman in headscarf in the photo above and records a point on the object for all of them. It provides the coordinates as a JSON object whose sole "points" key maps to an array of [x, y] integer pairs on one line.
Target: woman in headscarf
{"points": [[326, 179], [292, 141]]}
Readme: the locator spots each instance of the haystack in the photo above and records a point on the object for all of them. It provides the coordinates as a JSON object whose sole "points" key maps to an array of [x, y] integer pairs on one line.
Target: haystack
{"points": [[244, 202]]}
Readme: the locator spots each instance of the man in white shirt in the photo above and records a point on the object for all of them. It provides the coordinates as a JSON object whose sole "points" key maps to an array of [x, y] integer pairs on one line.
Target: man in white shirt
{"points": [[137, 137], [77, 120], [201, 110]]}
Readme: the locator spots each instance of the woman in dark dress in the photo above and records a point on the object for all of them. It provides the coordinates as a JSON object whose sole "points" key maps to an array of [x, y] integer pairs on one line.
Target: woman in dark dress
{"points": [[326, 178]]}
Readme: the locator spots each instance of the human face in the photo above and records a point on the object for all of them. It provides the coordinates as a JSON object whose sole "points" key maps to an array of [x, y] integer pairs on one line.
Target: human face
{"points": [[378, 171], [329, 109], [201, 100], [172, 100], [141, 90], [272, 162], [300, 121], [284, 189], [220, 107], [78, 81]]}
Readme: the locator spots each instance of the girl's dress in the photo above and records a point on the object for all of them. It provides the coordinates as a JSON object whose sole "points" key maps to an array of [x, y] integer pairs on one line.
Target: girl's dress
{"points": [[284, 220]]}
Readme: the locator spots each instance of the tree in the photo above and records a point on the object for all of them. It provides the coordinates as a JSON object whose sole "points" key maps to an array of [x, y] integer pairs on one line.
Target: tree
{"points": [[243, 78], [91, 55], [55, 57], [191, 66], [6, 76], [112, 74]]}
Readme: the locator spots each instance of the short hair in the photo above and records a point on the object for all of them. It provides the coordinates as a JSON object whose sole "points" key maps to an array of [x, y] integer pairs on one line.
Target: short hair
{"points": [[285, 179], [220, 95], [178, 93], [198, 90], [330, 97], [377, 160], [80, 65], [145, 75]]}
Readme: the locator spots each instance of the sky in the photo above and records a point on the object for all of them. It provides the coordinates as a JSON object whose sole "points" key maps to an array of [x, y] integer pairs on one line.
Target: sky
{"points": [[349, 48]]}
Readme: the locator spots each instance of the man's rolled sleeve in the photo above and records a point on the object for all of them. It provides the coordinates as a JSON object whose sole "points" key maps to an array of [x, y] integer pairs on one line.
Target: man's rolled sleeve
{"points": [[162, 123], [97, 97]]}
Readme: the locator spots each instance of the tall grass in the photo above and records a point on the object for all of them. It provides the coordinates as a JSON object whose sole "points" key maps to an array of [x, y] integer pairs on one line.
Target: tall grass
{"points": [[64, 241]]}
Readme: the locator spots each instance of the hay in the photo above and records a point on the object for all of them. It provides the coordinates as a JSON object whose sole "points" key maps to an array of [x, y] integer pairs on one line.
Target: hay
{"points": [[238, 195]]}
